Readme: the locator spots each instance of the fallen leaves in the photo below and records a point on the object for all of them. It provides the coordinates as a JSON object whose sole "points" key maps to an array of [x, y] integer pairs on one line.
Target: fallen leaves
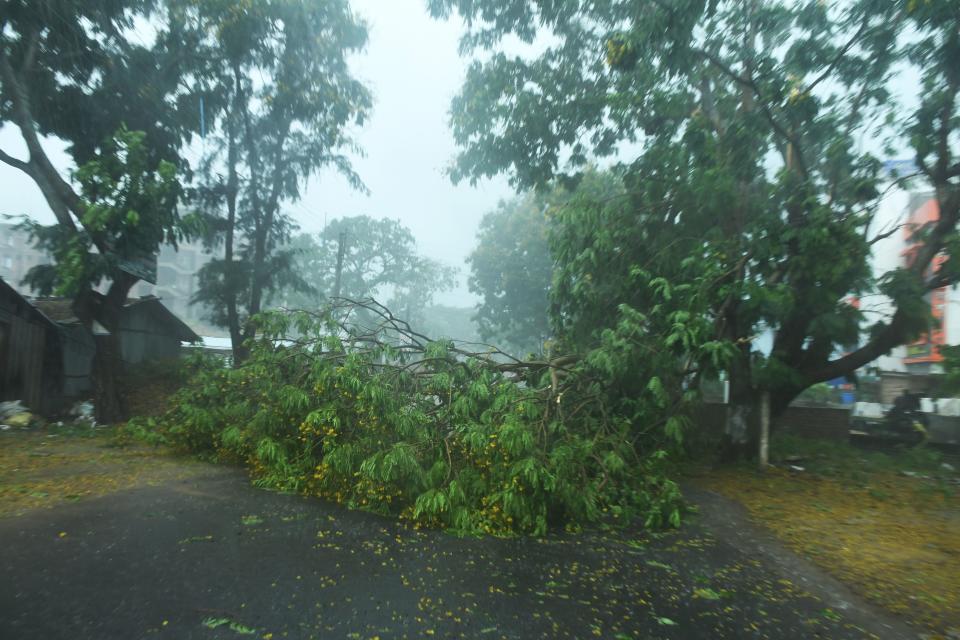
{"points": [[894, 539], [233, 625], [40, 469]]}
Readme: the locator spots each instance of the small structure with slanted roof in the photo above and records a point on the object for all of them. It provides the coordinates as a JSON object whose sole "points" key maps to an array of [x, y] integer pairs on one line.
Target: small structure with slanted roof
{"points": [[46, 355], [30, 354]]}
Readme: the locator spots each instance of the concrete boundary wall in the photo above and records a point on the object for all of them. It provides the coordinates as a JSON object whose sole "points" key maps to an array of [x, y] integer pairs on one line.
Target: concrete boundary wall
{"points": [[825, 423]]}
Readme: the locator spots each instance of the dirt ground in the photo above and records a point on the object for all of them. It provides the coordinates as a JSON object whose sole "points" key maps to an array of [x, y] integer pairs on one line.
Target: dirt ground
{"points": [[134, 543]]}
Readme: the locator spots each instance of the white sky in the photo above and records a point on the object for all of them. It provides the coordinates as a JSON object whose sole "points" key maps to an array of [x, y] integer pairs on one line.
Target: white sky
{"points": [[412, 67]]}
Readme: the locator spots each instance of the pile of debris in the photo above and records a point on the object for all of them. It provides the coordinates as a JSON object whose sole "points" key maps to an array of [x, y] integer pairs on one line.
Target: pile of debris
{"points": [[13, 415]]}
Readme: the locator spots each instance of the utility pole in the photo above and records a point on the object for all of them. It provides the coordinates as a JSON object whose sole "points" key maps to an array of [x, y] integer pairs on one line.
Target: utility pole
{"points": [[341, 247]]}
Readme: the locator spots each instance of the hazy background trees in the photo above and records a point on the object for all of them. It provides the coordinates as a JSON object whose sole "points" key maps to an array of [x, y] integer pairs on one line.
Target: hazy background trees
{"points": [[511, 270], [379, 260], [281, 103]]}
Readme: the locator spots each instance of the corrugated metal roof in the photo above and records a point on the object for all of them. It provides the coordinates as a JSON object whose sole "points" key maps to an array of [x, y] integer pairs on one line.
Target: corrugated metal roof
{"points": [[57, 309], [7, 290], [180, 328], [60, 310]]}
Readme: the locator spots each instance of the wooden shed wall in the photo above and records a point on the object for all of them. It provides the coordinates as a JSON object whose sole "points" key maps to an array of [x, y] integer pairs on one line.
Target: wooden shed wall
{"points": [[23, 373], [31, 372], [78, 352], [144, 337]]}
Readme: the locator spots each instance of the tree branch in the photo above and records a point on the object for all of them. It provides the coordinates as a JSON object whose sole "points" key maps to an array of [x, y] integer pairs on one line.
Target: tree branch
{"points": [[751, 84], [30, 55], [843, 51], [885, 234], [61, 197], [14, 162]]}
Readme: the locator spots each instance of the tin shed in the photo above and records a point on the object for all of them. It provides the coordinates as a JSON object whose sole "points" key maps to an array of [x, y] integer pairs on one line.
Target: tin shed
{"points": [[150, 331], [46, 355], [31, 368]]}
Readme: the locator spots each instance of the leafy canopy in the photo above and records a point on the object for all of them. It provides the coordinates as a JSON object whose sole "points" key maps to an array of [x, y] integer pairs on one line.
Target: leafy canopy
{"points": [[511, 269], [747, 120], [129, 206], [380, 258]]}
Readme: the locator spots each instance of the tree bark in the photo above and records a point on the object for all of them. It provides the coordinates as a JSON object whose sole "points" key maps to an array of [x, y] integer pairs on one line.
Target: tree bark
{"points": [[233, 189], [109, 394]]}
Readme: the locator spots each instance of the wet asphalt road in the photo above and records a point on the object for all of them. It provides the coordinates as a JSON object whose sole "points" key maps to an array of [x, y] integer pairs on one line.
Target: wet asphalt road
{"points": [[211, 557]]}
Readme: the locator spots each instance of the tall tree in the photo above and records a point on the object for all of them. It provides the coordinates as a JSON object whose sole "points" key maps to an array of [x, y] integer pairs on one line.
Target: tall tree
{"points": [[280, 102], [80, 72], [750, 119], [379, 258], [511, 270]]}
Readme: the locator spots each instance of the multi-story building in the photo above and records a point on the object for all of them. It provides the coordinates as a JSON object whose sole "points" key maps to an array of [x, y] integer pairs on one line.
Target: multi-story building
{"points": [[177, 280], [17, 255], [176, 272], [912, 212]]}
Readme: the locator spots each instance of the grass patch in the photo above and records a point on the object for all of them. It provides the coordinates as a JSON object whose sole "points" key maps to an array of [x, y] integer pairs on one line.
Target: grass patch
{"points": [[841, 459], [893, 537], [45, 467]]}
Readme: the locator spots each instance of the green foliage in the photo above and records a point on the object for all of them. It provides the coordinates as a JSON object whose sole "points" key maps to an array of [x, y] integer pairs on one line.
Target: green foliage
{"points": [[233, 625], [431, 433], [511, 269], [751, 190], [129, 206], [380, 257]]}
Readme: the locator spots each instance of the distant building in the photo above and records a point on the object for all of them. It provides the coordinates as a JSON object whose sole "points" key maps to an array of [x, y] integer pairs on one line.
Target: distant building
{"points": [[17, 255], [913, 211], [177, 280]]}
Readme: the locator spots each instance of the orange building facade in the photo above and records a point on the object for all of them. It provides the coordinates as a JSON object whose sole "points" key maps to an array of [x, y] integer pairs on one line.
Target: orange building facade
{"points": [[925, 350]]}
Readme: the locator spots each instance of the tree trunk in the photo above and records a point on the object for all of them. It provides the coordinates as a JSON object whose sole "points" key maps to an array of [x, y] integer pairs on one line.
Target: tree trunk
{"points": [[109, 398], [740, 430], [233, 189]]}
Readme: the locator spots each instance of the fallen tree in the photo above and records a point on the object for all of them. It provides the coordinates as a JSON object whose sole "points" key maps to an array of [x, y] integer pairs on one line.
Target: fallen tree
{"points": [[380, 417]]}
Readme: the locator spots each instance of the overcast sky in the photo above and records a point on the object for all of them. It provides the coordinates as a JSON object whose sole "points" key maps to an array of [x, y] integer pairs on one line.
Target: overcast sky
{"points": [[412, 67]]}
